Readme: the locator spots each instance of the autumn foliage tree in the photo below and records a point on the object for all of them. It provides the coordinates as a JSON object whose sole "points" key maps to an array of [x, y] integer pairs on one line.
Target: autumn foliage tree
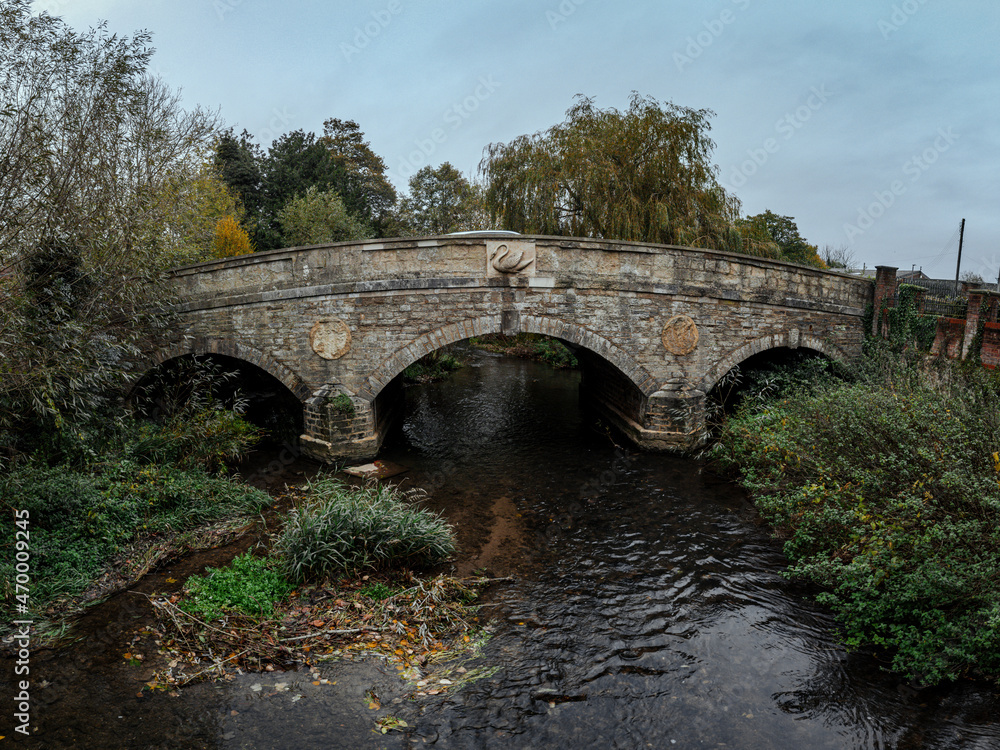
{"points": [[199, 201], [230, 239], [644, 175]]}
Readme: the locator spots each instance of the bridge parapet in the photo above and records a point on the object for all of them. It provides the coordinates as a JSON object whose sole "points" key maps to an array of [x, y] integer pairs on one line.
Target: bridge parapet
{"points": [[456, 262]]}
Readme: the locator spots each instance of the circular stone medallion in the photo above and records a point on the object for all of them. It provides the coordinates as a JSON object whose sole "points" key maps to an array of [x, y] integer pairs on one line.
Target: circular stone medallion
{"points": [[330, 339], [680, 335]]}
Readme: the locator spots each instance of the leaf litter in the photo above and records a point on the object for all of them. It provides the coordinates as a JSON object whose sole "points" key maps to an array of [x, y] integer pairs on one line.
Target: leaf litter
{"points": [[415, 623]]}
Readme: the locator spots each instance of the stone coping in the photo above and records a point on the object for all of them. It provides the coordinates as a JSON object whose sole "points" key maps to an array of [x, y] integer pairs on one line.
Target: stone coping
{"points": [[579, 243]]}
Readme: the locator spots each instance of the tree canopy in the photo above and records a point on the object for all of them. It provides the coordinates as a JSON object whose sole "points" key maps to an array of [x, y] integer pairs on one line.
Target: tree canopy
{"points": [[640, 175], [91, 148], [440, 201], [785, 234], [317, 217], [339, 161]]}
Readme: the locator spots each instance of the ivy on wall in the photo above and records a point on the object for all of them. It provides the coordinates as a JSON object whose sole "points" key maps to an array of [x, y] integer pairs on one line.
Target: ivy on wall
{"points": [[907, 327]]}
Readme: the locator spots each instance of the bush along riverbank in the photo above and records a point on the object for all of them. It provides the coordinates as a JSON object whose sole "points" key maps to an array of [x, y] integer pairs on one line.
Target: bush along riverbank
{"points": [[435, 366], [93, 517], [336, 582], [885, 490], [528, 346]]}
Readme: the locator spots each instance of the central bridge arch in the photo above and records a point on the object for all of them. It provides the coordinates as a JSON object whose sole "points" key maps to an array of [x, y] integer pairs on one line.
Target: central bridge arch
{"points": [[457, 332]]}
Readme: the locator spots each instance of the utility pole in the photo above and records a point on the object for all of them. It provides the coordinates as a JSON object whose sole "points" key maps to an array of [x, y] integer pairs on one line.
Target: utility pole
{"points": [[961, 239]]}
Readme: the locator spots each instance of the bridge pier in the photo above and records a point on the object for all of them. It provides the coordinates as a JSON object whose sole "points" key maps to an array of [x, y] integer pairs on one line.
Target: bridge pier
{"points": [[669, 419], [340, 427]]}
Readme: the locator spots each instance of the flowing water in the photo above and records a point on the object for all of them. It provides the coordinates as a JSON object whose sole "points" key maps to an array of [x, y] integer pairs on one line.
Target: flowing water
{"points": [[646, 610]]}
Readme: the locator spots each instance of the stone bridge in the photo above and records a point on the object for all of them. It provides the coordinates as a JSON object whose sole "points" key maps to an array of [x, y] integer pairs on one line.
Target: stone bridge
{"points": [[655, 327]]}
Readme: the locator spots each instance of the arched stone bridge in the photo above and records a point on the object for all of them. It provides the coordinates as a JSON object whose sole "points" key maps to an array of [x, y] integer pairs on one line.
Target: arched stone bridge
{"points": [[655, 326]]}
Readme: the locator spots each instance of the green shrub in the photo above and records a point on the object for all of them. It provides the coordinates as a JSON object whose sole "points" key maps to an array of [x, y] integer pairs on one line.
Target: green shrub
{"points": [[528, 346], [554, 353], [341, 529], [203, 439], [886, 492], [80, 522], [434, 366], [248, 585]]}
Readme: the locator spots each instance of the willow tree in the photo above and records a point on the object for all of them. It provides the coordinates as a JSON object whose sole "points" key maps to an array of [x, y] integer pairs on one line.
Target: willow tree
{"points": [[642, 175]]}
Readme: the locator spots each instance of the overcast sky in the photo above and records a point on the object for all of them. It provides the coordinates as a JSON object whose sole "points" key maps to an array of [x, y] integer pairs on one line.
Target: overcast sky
{"points": [[875, 124]]}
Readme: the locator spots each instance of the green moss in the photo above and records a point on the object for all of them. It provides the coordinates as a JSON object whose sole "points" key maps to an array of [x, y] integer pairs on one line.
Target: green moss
{"points": [[341, 404]]}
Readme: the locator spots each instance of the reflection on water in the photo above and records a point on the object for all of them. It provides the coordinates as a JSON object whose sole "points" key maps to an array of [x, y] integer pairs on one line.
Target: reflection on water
{"points": [[648, 611], [654, 612]]}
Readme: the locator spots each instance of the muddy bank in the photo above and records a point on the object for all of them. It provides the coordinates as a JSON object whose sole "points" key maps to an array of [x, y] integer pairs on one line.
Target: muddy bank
{"points": [[91, 689]]}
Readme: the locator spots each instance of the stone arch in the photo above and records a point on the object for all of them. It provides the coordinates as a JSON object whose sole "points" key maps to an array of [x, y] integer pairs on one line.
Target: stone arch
{"points": [[791, 339], [455, 332], [235, 350]]}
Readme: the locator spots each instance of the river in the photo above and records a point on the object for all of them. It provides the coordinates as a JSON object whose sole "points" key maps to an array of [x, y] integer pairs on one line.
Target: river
{"points": [[645, 609]]}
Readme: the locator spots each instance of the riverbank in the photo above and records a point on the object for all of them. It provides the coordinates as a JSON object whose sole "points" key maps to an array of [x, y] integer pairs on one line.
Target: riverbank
{"points": [[528, 346], [884, 489], [128, 651]]}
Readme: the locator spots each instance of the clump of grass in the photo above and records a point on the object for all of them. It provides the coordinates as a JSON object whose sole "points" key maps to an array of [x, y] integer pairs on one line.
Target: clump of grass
{"points": [[379, 591], [341, 403], [340, 529], [248, 585]]}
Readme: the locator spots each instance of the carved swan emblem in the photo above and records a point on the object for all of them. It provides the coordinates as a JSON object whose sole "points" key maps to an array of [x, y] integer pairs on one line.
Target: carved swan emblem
{"points": [[505, 262]]}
